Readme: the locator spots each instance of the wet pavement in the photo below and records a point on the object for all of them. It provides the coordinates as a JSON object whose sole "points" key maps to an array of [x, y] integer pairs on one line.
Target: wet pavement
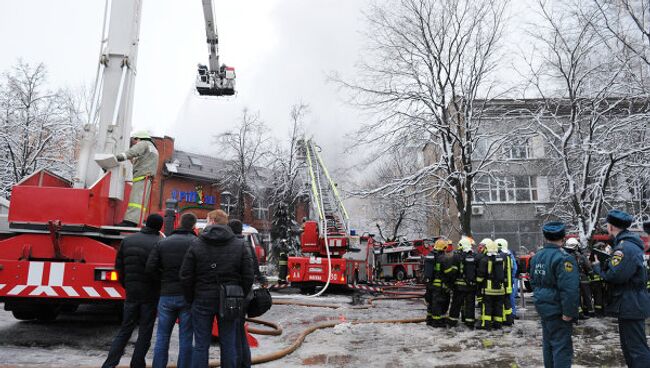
{"points": [[83, 338]]}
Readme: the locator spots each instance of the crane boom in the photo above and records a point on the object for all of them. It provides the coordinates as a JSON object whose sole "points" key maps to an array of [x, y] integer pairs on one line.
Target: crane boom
{"points": [[214, 80], [107, 131]]}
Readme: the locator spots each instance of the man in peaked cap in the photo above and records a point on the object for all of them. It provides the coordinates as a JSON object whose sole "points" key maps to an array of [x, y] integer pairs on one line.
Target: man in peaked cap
{"points": [[626, 274], [556, 285]]}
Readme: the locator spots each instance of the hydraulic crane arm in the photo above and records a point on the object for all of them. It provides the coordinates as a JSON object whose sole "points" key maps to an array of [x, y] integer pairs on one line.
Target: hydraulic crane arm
{"points": [[214, 79], [211, 35]]}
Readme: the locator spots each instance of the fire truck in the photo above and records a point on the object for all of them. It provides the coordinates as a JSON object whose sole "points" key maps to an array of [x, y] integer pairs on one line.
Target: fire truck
{"points": [[401, 260], [331, 253], [59, 241]]}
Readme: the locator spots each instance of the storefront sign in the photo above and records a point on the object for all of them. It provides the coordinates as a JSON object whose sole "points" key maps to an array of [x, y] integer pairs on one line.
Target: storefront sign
{"points": [[196, 196]]}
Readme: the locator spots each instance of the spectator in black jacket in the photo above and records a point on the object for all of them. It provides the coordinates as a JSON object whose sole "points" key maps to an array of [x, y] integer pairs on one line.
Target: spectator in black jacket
{"points": [[141, 293], [164, 264], [216, 258]]}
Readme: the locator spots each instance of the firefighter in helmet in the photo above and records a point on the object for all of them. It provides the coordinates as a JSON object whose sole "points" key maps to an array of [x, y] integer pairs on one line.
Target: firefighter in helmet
{"points": [[596, 284], [492, 278], [584, 271], [464, 294], [144, 156], [439, 272], [509, 303]]}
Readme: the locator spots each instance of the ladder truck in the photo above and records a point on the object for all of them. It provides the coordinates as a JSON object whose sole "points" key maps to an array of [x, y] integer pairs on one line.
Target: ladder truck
{"points": [[331, 252], [59, 246]]}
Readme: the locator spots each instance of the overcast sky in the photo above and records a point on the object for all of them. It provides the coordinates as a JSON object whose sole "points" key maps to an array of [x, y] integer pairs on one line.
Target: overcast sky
{"points": [[282, 50]]}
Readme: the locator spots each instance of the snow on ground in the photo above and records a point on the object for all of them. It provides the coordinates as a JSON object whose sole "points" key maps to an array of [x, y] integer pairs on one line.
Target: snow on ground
{"points": [[83, 340]]}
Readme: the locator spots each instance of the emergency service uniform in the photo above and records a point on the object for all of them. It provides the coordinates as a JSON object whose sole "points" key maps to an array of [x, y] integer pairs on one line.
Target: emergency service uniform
{"points": [[464, 294], [439, 271], [509, 303], [597, 285], [144, 156], [492, 278], [556, 286], [626, 274]]}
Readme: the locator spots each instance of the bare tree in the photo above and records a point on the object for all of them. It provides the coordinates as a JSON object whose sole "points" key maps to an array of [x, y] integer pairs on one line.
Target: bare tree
{"points": [[402, 213], [38, 127], [429, 81], [246, 150], [594, 132]]}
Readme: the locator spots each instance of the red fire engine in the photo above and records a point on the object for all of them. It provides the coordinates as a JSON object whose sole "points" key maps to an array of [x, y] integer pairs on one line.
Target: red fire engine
{"points": [[401, 260], [331, 253]]}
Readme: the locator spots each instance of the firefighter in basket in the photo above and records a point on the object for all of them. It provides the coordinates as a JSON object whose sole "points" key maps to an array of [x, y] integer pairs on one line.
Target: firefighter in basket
{"points": [[144, 156], [439, 273], [464, 294]]}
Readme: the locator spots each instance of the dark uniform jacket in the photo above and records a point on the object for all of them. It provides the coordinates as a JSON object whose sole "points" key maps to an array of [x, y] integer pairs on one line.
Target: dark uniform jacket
{"points": [[130, 266], [627, 276], [165, 260], [555, 281], [491, 273], [467, 270], [216, 257], [440, 269]]}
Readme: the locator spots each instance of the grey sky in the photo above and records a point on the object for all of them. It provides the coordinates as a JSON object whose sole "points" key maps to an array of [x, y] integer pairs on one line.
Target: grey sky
{"points": [[282, 51]]}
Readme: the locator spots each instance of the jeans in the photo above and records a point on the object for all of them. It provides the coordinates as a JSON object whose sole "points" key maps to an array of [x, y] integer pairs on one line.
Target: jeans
{"points": [[171, 308], [633, 342], [557, 343], [203, 312], [138, 314]]}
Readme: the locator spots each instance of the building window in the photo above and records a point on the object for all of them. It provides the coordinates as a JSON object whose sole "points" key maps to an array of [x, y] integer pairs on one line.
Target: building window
{"points": [[517, 149], [260, 210], [509, 189], [228, 203]]}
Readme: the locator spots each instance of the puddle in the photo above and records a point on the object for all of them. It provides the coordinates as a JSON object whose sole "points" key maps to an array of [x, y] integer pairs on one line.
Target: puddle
{"points": [[336, 360]]}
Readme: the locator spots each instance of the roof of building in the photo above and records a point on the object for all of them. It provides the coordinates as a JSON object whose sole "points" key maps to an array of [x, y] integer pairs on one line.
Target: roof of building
{"points": [[558, 106], [195, 165]]}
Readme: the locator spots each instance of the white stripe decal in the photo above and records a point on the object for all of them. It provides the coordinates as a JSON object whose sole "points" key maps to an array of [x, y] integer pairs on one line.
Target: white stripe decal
{"points": [[70, 291], [43, 289], [2, 286], [16, 290], [112, 292], [91, 291], [35, 275], [56, 274]]}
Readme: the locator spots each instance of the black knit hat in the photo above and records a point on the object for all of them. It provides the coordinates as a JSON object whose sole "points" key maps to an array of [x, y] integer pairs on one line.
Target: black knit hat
{"points": [[154, 221], [236, 226]]}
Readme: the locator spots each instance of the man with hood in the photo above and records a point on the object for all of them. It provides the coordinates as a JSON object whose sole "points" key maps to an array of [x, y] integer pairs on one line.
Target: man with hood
{"points": [[626, 274], [141, 293], [216, 258]]}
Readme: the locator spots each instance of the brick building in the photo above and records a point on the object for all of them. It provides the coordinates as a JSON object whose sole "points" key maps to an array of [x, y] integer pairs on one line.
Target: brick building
{"points": [[192, 180]]}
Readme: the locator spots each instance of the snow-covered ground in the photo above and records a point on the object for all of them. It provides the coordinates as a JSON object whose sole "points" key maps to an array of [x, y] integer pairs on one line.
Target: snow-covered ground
{"points": [[83, 340]]}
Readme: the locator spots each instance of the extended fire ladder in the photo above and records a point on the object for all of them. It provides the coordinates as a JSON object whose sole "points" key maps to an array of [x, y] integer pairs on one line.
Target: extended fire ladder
{"points": [[326, 202]]}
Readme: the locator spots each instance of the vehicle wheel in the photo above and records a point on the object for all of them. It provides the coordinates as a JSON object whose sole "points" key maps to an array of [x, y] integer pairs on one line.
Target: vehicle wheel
{"points": [[47, 315], [23, 315], [400, 274], [69, 308], [355, 281]]}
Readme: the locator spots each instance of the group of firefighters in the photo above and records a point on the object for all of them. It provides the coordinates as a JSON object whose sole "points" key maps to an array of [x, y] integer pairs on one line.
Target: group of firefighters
{"points": [[463, 276]]}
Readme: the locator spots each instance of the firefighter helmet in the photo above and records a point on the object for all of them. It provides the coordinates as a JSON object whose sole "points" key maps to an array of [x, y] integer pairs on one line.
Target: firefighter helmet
{"points": [[502, 244], [571, 244], [441, 244], [465, 244], [141, 134], [490, 246]]}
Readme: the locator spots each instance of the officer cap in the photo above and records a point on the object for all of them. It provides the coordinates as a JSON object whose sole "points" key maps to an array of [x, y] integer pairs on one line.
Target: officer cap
{"points": [[554, 230], [620, 219]]}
